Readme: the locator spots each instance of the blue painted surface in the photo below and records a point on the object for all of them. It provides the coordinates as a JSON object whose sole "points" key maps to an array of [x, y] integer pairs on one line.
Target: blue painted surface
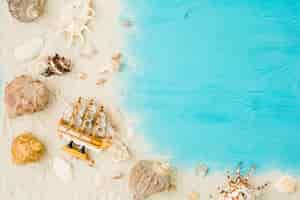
{"points": [[219, 81]]}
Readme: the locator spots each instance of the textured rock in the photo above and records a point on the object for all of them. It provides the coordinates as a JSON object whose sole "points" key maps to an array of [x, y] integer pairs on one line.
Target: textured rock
{"points": [[29, 50], [26, 10], [286, 184], [24, 95], [148, 178], [62, 169], [26, 149]]}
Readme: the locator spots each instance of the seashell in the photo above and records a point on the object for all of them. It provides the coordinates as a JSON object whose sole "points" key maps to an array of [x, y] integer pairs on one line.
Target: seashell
{"points": [[193, 196], [88, 51], [118, 176], [116, 62], [101, 81], [26, 10], [29, 49], [286, 184], [120, 151], [57, 65], [201, 170], [26, 148], [144, 181], [83, 76], [24, 95], [62, 169]]}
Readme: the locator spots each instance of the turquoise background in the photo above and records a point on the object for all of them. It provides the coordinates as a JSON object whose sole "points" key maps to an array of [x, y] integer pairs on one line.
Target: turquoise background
{"points": [[218, 81]]}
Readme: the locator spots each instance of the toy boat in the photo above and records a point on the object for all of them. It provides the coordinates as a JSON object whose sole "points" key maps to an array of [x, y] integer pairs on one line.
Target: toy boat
{"points": [[85, 126]]}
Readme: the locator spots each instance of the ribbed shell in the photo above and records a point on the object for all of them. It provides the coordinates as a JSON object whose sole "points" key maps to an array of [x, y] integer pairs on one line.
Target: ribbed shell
{"points": [[145, 181], [26, 10]]}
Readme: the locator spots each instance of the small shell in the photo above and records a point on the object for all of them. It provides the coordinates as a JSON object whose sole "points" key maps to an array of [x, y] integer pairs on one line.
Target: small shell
{"points": [[101, 81], [116, 62], [286, 184], [193, 196], [29, 49], [118, 176], [26, 10], [82, 76], [201, 170], [62, 169], [57, 65], [88, 51]]}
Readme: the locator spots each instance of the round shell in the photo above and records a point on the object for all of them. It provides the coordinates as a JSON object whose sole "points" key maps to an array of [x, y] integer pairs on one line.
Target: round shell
{"points": [[26, 148], [26, 10], [24, 95]]}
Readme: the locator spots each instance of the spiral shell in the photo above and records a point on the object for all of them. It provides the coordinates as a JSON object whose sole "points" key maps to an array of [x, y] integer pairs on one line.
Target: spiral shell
{"points": [[26, 10]]}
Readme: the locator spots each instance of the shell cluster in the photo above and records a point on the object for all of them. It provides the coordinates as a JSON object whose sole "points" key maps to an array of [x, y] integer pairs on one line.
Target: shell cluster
{"points": [[26, 149], [57, 65], [148, 178], [239, 187], [26, 10]]}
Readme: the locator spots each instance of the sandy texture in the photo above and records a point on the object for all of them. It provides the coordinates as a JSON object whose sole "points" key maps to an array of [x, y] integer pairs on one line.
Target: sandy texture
{"points": [[38, 181]]}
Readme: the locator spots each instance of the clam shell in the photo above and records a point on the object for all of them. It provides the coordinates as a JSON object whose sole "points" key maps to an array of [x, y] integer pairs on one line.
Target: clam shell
{"points": [[62, 169], [29, 49], [26, 10]]}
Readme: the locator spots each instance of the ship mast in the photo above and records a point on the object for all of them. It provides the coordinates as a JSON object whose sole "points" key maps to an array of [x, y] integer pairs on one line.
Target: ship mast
{"points": [[87, 117], [76, 109]]}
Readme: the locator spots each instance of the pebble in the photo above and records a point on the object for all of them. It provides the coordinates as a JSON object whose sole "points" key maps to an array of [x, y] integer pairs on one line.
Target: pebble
{"points": [[62, 169], [29, 50], [286, 184]]}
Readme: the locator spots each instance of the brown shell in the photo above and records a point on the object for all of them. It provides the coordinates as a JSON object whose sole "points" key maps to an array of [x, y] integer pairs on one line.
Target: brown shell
{"points": [[26, 148], [24, 95], [26, 10], [145, 181]]}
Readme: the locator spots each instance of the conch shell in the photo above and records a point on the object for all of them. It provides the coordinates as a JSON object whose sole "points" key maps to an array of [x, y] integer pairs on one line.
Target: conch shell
{"points": [[26, 149], [26, 10]]}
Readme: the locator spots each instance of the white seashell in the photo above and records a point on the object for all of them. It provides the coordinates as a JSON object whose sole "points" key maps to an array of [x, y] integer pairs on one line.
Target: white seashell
{"points": [[120, 151], [62, 169], [88, 51], [201, 170], [286, 184], [193, 196], [29, 49]]}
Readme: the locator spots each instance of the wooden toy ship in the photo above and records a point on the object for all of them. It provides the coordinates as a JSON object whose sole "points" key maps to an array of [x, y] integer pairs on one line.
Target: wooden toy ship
{"points": [[86, 127]]}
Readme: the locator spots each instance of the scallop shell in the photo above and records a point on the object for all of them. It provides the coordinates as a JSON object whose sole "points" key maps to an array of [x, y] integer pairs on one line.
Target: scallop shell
{"points": [[26, 10], [145, 180]]}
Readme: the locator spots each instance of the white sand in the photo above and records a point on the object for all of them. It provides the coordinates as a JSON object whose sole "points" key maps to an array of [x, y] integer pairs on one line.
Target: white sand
{"points": [[38, 181]]}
